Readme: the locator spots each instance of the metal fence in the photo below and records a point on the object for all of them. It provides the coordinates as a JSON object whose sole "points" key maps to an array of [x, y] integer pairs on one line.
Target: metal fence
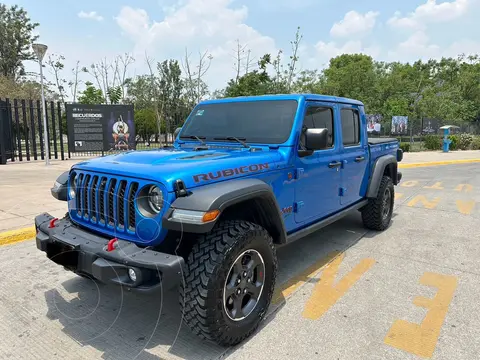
{"points": [[21, 133], [22, 130], [425, 126]]}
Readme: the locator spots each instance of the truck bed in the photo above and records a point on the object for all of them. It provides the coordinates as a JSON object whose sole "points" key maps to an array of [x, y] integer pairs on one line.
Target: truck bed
{"points": [[376, 141]]}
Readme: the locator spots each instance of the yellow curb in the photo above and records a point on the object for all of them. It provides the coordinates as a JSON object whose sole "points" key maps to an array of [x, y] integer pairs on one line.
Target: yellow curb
{"points": [[436, 163], [15, 236]]}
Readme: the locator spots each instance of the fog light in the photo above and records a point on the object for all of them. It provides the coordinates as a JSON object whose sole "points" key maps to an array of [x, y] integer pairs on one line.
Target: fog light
{"points": [[132, 275]]}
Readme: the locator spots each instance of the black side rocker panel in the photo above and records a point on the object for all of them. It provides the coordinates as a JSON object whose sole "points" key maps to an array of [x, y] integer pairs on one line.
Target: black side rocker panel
{"points": [[59, 190], [220, 197], [377, 173], [323, 223]]}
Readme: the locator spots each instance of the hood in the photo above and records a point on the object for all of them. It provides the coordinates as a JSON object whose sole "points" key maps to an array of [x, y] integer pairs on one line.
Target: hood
{"points": [[195, 168]]}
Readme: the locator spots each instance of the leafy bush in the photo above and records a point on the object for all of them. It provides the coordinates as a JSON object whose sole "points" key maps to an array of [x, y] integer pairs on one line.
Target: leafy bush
{"points": [[475, 145], [405, 146], [464, 141], [454, 143], [432, 142]]}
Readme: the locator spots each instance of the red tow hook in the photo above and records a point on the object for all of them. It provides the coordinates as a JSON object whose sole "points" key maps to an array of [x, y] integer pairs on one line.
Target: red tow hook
{"points": [[52, 223], [111, 244]]}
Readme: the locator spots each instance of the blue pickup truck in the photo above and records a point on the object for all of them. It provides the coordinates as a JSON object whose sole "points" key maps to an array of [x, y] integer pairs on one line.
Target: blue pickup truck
{"points": [[244, 176]]}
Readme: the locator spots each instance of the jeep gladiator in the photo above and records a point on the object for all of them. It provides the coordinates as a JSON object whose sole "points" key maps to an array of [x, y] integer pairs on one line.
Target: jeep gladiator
{"points": [[244, 176]]}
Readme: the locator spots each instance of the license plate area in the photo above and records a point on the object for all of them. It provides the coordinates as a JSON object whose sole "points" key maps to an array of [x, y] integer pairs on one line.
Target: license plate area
{"points": [[63, 254]]}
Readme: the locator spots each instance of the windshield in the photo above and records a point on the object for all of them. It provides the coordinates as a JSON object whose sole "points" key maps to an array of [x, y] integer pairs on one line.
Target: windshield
{"points": [[264, 121]]}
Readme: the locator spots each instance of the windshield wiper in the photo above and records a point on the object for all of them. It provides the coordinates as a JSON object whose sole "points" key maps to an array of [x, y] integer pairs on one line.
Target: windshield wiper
{"points": [[241, 140], [194, 137]]}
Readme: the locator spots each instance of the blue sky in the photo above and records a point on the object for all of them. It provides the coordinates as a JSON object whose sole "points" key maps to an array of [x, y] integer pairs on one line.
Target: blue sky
{"points": [[388, 30]]}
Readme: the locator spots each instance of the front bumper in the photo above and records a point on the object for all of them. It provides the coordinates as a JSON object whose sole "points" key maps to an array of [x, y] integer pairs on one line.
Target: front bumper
{"points": [[86, 253]]}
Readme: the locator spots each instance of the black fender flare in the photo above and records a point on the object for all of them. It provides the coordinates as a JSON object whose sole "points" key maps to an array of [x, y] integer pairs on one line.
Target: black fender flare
{"points": [[377, 173], [59, 189], [221, 196]]}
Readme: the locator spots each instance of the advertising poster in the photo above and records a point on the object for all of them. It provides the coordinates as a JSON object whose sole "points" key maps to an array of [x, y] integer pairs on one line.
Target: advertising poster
{"points": [[374, 123], [100, 127], [399, 125], [430, 126]]}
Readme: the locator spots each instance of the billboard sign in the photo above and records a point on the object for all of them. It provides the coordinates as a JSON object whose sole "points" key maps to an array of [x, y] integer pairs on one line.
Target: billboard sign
{"points": [[374, 123], [430, 126], [100, 127], [400, 125]]}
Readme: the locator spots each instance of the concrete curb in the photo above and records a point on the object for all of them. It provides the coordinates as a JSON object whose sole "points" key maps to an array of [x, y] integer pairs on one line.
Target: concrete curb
{"points": [[437, 163], [18, 235]]}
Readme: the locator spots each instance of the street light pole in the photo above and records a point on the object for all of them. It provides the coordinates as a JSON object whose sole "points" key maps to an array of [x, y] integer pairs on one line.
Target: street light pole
{"points": [[40, 51]]}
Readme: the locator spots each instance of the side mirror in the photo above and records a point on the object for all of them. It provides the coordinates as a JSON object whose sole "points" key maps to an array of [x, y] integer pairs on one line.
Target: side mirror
{"points": [[316, 139], [175, 134]]}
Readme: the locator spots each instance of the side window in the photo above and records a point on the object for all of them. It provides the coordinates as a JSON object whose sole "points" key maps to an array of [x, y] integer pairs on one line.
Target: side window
{"points": [[318, 117], [350, 127]]}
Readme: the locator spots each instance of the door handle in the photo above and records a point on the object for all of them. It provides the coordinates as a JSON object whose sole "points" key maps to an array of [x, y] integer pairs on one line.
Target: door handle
{"points": [[359, 159], [334, 164]]}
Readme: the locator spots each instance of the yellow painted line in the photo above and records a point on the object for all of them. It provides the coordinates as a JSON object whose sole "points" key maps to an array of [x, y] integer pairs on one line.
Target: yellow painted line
{"points": [[437, 163], [466, 187], [15, 236], [398, 196], [291, 285], [428, 204], [326, 293], [409, 183], [436, 186], [421, 339], [465, 207]]}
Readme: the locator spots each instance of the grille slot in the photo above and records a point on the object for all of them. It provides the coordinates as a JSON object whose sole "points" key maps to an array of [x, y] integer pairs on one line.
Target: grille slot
{"points": [[85, 192], [93, 204], [131, 206], [79, 181], [108, 202], [101, 198], [121, 203]]}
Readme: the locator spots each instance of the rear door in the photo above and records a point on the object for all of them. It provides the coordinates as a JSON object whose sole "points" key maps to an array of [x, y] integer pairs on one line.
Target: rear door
{"points": [[316, 188], [354, 153]]}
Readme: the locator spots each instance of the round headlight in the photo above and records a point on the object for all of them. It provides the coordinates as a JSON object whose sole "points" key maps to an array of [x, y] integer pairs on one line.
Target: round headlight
{"points": [[73, 187], [155, 198]]}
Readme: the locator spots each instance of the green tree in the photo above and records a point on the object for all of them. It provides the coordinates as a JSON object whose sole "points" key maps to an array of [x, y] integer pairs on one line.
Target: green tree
{"points": [[309, 81], [170, 91], [140, 91], [145, 123], [15, 40], [351, 76], [114, 94], [256, 82], [91, 95]]}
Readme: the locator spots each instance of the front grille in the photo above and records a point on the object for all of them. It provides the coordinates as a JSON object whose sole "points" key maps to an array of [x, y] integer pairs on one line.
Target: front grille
{"points": [[106, 201]]}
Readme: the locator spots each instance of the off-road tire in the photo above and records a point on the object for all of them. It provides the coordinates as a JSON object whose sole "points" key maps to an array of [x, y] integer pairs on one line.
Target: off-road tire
{"points": [[373, 213], [207, 268]]}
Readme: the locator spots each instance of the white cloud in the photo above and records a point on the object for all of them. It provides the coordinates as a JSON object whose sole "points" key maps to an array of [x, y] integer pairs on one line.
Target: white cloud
{"points": [[418, 46], [431, 12], [92, 15], [326, 51], [354, 23], [200, 25]]}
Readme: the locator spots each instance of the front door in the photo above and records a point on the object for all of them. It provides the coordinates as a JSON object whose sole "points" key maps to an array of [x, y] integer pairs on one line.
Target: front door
{"points": [[318, 176], [355, 154]]}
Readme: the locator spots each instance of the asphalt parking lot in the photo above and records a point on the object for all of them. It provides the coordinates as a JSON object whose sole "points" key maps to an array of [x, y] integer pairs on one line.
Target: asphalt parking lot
{"points": [[410, 292]]}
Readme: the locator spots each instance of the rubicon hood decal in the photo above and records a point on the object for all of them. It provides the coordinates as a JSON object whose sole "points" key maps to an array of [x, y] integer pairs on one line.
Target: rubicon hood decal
{"points": [[230, 172]]}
